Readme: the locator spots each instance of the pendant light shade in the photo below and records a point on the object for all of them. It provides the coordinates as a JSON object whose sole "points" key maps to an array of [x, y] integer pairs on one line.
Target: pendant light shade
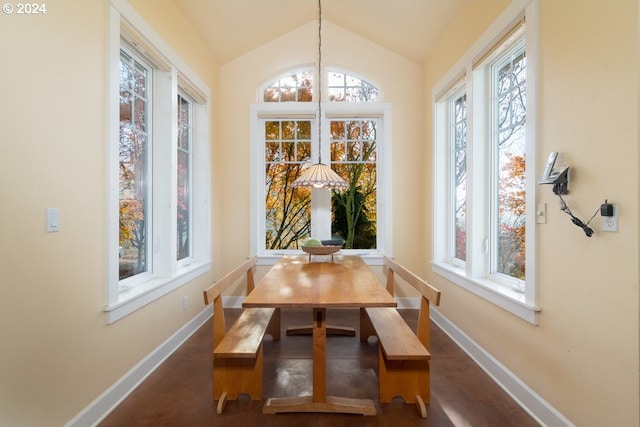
{"points": [[320, 175]]}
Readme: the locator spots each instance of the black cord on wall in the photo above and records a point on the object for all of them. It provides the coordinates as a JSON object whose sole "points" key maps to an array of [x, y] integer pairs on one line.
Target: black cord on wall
{"points": [[585, 227]]}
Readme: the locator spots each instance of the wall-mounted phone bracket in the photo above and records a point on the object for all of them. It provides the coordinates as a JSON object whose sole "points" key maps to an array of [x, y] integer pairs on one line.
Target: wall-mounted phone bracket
{"points": [[559, 178], [561, 181]]}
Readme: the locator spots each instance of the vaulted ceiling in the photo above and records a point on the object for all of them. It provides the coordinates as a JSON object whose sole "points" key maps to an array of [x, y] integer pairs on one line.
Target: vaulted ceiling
{"points": [[233, 27]]}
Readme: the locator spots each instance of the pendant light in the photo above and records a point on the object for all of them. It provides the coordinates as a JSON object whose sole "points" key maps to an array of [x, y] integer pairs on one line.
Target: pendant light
{"points": [[320, 175]]}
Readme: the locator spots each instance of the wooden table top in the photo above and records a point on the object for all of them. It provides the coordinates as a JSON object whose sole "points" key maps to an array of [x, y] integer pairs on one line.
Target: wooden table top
{"points": [[296, 282]]}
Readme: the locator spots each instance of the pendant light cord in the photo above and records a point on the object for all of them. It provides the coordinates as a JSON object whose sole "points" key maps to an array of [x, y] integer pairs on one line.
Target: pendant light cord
{"points": [[319, 175], [319, 81]]}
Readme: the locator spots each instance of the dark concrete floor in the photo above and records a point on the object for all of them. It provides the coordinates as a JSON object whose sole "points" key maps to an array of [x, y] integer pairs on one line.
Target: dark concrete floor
{"points": [[178, 393]]}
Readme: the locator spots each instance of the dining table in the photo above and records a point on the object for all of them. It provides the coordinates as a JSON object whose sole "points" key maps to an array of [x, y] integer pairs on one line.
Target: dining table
{"points": [[300, 282]]}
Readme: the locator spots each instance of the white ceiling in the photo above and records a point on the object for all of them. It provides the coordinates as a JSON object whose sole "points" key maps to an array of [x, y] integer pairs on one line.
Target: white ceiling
{"points": [[233, 27]]}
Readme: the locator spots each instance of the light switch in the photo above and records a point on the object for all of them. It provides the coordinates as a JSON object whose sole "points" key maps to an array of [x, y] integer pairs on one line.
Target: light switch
{"points": [[541, 213], [53, 220]]}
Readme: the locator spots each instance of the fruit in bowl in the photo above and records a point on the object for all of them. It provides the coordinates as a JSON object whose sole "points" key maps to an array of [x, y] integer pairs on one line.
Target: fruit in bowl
{"points": [[333, 242], [312, 242]]}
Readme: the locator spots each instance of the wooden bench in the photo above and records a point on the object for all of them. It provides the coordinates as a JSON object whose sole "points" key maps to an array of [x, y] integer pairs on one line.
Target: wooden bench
{"points": [[237, 352], [403, 356]]}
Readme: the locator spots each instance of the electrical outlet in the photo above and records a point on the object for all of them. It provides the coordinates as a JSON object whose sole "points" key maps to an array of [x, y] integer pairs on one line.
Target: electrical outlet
{"points": [[610, 223], [185, 303]]}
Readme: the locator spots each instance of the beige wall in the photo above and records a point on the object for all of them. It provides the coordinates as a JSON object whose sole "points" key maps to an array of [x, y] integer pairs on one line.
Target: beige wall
{"points": [[583, 356], [57, 354]]}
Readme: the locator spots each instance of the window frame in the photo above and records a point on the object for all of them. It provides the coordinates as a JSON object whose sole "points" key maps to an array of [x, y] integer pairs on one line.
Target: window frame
{"points": [[127, 50], [469, 75], [321, 198], [170, 75], [490, 74], [458, 93]]}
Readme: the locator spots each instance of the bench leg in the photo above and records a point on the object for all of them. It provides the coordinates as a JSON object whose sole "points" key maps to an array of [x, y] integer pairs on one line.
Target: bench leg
{"points": [[366, 327], [221, 403], [273, 328], [234, 376], [408, 379], [422, 408]]}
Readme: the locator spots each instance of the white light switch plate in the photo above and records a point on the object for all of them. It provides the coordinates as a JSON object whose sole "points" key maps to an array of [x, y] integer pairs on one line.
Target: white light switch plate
{"points": [[53, 220], [541, 213]]}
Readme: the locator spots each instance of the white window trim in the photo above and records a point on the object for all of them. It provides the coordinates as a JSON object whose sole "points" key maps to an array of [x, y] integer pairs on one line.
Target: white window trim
{"points": [[523, 305], [168, 276], [308, 110]]}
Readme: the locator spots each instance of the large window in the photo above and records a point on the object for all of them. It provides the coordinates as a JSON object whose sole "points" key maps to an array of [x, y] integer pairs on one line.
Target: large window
{"points": [[286, 140], [158, 235], [134, 155], [485, 120], [508, 146], [353, 156], [458, 168], [184, 169]]}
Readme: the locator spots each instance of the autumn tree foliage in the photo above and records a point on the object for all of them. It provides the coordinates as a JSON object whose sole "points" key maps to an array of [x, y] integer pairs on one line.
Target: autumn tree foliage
{"points": [[288, 209], [511, 233]]}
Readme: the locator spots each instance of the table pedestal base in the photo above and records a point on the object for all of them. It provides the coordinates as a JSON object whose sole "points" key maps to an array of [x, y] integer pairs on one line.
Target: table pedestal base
{"points": [[341, 405]]}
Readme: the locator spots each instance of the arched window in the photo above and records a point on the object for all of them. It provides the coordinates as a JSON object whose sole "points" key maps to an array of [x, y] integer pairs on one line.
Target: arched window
{"points": [[295, 87], [343, 87], [286, 142]]}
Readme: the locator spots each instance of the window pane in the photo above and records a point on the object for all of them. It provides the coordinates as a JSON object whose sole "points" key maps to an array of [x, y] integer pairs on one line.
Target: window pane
{"points": [[288, 210], [183, 238], [511, 155], [292, 88], [353, 156], [345, 88], [459, 169], [134, 169]]}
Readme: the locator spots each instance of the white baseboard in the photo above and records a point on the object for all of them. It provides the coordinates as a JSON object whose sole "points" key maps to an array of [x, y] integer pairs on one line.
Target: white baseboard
{"points": [[529, 400], [114, 395]]}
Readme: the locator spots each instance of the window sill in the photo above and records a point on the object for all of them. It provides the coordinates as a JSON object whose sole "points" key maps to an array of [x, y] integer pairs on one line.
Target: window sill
{"points": [[504, 297], [134, 298]]}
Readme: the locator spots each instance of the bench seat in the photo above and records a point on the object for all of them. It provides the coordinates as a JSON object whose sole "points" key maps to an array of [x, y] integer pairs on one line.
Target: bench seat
{"points": [[397, 339], [403, 355], [244, 338], [237, 352]]}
